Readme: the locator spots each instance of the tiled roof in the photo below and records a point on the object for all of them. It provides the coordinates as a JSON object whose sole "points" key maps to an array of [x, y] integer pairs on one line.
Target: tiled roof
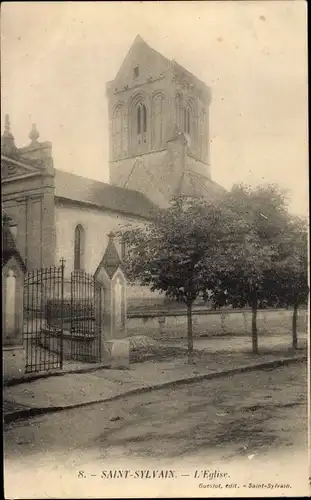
{"points": [[176, 66], [188, 73], [81, 189], [170, 63], [193, 184]]}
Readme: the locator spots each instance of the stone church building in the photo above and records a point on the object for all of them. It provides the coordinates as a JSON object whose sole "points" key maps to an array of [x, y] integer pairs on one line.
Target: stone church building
{"points": [[159, 148]]}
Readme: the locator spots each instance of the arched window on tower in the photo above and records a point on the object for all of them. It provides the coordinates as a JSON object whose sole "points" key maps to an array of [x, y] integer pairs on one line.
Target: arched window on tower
{"points": [[141, 125], [138, 119], [157, 123], [79, 247], [141, 119], [187, 126], [179, 119], [190, 124], [119, 131]]}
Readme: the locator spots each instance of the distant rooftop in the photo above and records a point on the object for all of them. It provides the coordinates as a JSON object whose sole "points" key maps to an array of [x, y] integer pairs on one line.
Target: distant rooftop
{"points": [[81, 189]]}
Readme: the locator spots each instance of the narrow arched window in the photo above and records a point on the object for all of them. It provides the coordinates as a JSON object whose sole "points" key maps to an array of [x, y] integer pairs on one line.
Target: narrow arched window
{"points": [[187, 120], [78, 247], [179, 116], [139, 127], [117, 131], [157, 122], [141, 119], [138, 120], [144, 118]]}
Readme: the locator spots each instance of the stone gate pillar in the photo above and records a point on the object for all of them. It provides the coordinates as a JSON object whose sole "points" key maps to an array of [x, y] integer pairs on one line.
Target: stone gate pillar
{"points": [[13, 272], [114, 341]]}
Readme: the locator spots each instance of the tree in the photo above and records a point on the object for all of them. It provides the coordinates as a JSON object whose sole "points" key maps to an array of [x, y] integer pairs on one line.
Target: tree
{"points": [[170, 254], [287, 281], [240, 279]]}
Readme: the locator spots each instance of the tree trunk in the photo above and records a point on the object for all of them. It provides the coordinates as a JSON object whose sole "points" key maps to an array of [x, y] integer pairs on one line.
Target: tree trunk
{"points": [[254, 323], [294, 330], [189, 333]]}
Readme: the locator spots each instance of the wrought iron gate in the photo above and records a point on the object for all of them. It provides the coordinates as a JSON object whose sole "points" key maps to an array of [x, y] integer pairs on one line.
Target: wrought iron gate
{"points": [[85, 317], [62, 318], [43, 343]]}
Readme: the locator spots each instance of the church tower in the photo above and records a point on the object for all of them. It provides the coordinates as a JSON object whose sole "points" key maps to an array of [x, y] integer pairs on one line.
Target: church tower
{"points": [[159, 128]]}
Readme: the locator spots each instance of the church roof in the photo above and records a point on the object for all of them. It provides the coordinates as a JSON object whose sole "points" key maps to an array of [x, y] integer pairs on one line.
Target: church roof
{"points": [[174, 66], [8, 244], [196, 185], [81, 189]]}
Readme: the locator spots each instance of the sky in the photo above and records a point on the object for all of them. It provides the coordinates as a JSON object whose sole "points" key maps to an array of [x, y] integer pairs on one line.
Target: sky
{"points": [[58, 56]]}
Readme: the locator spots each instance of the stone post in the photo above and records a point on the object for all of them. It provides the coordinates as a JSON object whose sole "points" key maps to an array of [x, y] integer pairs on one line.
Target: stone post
{"points": [[115, 344], [13, 351]]}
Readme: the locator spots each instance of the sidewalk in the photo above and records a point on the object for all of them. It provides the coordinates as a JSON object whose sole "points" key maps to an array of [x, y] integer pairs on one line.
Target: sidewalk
{"points": [[72, 390]]}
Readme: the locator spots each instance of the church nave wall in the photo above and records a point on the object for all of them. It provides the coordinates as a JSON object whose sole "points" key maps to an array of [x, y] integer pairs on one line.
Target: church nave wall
{"points": [[96, 224]]}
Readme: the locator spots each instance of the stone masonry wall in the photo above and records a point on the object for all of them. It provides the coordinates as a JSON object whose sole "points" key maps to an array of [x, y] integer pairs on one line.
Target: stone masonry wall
{"points": [[211, 323]]}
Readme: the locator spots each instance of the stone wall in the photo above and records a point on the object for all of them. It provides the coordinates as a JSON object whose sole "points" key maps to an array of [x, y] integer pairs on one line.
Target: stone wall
{"points": [[149, 173], [211, 323], [197, 167], [29, 202], [96, 223], [27, 187], [142, 299]]}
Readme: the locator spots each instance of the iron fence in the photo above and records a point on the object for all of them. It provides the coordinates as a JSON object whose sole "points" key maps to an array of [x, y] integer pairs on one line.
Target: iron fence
{"points": [[43, 342], [60, 327], [85, 317]]}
